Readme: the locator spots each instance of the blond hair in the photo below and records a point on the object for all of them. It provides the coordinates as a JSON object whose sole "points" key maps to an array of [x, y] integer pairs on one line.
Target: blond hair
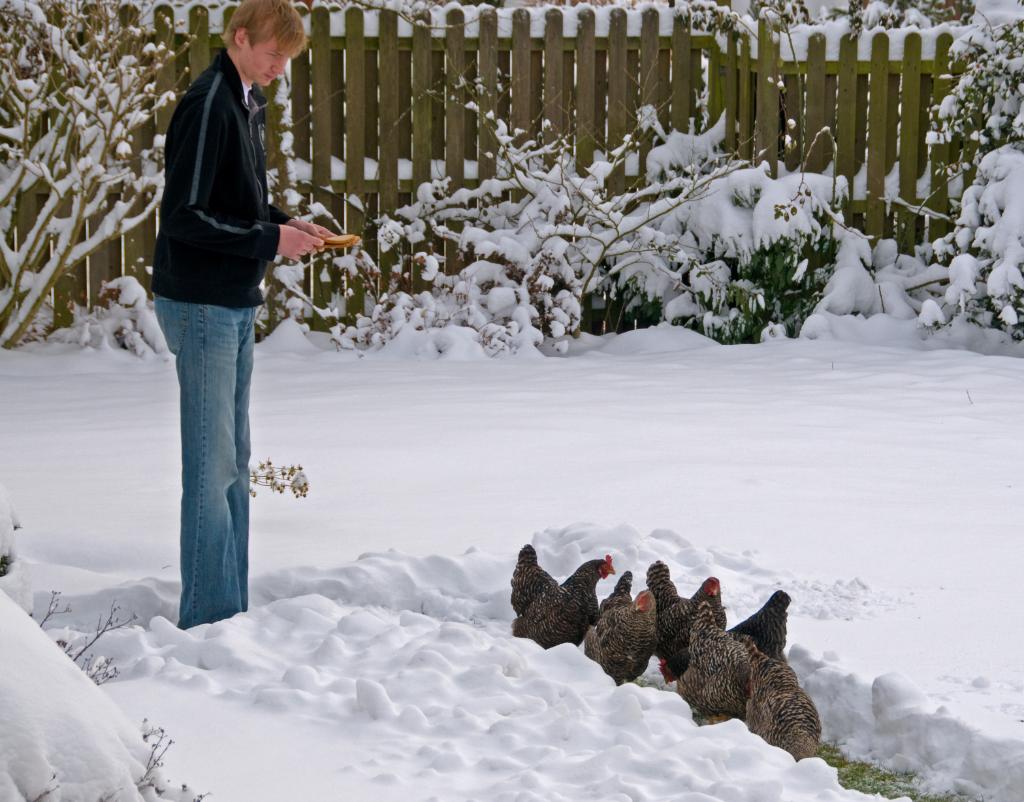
{"points": [[268, 19]]}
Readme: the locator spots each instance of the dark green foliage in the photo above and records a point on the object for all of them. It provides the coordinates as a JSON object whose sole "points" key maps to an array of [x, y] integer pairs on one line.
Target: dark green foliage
{"points": [[640, 310], [772, 274]]}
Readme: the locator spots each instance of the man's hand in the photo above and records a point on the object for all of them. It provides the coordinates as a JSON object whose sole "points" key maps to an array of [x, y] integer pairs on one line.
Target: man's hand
{"points": [[311, 228], [296, 242]]}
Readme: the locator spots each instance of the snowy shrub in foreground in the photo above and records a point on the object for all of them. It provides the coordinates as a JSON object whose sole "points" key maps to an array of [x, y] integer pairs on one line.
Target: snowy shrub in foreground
{"points": [[15, 579], [71, 96], [63, 738], [986, 111]]}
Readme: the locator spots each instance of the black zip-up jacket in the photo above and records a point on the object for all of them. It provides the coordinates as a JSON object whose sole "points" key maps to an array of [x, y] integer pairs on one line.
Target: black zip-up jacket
{"points": [[217, 230]]}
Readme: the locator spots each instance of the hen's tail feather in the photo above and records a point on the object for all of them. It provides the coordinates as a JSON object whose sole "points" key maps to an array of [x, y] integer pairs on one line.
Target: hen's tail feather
{"points": [[528, 554]]}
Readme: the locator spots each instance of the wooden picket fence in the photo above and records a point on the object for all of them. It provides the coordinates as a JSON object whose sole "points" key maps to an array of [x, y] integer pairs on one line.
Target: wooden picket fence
{"points": [[375, 90]]}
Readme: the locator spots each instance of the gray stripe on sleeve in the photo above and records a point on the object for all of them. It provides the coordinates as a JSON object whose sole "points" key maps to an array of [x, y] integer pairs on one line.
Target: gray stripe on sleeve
{"points": [[202, 137], [224, 226]]}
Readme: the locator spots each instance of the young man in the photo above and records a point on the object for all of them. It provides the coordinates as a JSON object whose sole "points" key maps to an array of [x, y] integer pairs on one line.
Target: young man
{"points": [[217, 233]]}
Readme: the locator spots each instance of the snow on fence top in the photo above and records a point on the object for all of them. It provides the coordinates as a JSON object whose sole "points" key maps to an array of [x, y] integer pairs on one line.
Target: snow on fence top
{"points": [[471, 15], [793, 45]]}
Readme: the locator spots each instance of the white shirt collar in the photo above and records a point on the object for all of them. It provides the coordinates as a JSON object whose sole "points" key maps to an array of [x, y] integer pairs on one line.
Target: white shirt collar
{"points": [[246, 91]]}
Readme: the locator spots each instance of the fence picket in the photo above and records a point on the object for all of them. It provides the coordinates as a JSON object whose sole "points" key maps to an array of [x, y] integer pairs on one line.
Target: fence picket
{"points": [[199, 50], [320, 82], [601, 96], [731, 88], [521, 73], [140, 241], [682, 85], [618, 109], [422, 104], [70, 290], [697, 88], [818, 150], [488, 102], [664, 99], [536, 97], [553, 63], [878, 115], [437, 104], [766, 132], [302, 119], [454, 132], [389, 111], [105, 261], [586, 56], [355, 151], [649, 88], [745, 112], [387, 190], [846, 111], [568, 89], [716, 95], [336, 88], [167, 77], [793, 120], [938, 201], [910, 122]]}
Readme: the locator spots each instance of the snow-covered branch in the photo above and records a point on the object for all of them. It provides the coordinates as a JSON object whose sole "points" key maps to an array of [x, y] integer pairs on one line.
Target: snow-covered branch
{"points": [[74, 95]]}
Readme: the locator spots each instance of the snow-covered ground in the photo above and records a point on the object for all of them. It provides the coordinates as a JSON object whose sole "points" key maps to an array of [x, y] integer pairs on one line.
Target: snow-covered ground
{"points": [[875, 478]]}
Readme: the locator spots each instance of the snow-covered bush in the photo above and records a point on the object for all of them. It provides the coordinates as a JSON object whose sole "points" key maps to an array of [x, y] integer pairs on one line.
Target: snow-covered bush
{"points": [[534, 241], [525, 242], [76, 81], [986, 112], [755, 253], [62, 737], [705, 241], [986, 284], [126, 321], [985, 105], [15, 579], [784, 12], [902, 13]]}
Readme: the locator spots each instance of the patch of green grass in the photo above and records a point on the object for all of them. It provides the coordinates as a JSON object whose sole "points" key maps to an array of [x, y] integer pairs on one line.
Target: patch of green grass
{"points": [[5, 563], [871, 779]]}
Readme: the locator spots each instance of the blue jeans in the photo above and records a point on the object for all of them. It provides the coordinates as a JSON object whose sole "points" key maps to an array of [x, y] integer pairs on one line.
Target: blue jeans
{"points": [[213, 349]]}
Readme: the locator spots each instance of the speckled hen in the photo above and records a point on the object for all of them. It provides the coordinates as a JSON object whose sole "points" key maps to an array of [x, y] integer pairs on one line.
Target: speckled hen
{"points": [[779, 710], [549, 613], [767, 626], [623, 639], [529, 580], [716, 679], [622, 594], [676, 614]]}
